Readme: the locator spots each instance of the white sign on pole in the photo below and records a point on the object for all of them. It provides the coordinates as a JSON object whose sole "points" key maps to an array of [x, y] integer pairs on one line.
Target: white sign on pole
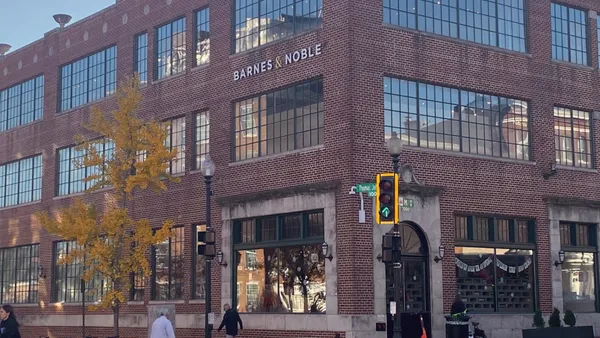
{"points": [[211, 318], [393, 308]]}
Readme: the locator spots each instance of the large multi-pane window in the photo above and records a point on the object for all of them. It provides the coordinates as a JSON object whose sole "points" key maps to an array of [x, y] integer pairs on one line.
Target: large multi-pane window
{"points": [[579, 242], [431, 116], [170, 49], [176, 141], [569, 34], [201, 138], [572, 137], [19, 274], [22, 103], [198, 273], [279, 121], [279, 263], [21, 181], [499, 23], [495, 265], [167, 267], [68, 273], [140, 63], [89, 79], [202, 36], [258, 22], [71, 171]]}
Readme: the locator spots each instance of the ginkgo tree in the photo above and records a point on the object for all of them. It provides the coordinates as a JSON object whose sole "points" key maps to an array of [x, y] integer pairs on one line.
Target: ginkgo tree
{"points": [[111, 243]]}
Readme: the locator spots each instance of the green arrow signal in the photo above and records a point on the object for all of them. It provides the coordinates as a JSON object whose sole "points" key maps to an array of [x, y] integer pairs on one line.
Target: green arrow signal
{"points": [[385, 211]]}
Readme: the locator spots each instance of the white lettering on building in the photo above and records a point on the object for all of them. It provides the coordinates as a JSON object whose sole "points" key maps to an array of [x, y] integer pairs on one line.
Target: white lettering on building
{"points": [[265, 66]]}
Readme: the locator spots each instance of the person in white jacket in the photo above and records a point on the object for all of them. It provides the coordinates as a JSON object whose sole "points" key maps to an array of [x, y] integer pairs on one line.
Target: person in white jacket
{"points": [[162, 328]]}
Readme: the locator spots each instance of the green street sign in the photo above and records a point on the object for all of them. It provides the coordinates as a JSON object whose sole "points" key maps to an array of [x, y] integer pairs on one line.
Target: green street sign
{"points": [[385, 211], [365, 187], [368, 188]]}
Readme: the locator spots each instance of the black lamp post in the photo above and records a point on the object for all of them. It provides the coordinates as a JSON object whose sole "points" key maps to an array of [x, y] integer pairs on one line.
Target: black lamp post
{"points": [[394, 147], [208, 171]]}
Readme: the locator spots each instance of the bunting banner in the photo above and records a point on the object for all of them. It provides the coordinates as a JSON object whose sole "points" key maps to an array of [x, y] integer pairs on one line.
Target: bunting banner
{"points": [[478, 267]]}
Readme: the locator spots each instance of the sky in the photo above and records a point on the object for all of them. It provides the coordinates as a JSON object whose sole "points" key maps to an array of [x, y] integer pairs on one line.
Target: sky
{"points": [[24, 21]]}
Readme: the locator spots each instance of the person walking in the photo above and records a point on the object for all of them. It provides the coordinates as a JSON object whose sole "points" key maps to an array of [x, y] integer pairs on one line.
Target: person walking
{"points": [[230, 321], [9, 327], [161, 328]]}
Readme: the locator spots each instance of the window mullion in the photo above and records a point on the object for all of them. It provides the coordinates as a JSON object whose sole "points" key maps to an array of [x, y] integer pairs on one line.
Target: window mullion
{"points": [[498, 41], [572, 127]]}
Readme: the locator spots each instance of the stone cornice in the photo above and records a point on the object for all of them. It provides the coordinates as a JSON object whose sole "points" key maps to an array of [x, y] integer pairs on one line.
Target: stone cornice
{"points": [[317, 187]]}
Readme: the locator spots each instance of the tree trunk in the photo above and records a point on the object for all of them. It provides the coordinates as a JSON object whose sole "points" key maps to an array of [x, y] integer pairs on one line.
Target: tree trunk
{"points": [[116, 320]]}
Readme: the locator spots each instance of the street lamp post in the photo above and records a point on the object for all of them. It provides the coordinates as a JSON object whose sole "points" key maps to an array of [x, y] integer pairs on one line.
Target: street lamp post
{"points": [[394, 147], [208, 171]]}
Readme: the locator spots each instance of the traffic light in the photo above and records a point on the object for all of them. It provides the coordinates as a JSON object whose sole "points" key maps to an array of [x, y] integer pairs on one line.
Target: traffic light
{"points": [[206, 244], [387, 198]]}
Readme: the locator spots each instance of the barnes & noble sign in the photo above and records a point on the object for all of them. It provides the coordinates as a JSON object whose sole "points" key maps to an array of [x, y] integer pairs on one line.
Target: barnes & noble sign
{"points": [[278, 62]]}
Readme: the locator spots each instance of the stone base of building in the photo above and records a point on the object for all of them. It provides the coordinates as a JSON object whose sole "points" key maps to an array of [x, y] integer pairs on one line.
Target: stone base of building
{"points": [[510, 326]]}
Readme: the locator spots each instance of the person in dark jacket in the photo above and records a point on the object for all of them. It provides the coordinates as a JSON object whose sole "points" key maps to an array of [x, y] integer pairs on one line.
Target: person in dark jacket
{"points": [[458, 306], [230, 321], [9, 327]]}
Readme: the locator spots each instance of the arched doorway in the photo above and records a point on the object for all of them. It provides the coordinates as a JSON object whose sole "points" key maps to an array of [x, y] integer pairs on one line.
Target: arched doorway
{"points": [[415, 273]]}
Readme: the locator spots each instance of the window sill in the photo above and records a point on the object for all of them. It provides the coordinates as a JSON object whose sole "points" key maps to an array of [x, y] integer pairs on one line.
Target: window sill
{"points": [[79, 194], [197, 301], [580, 169], [469, 155], [459, 41], [26, 305], [571, 64], [87, 105], [22, 126], [159, 302], [170, 77], [135, 302], [200, 67], [21, 205], [284, 154], [269, 44]]}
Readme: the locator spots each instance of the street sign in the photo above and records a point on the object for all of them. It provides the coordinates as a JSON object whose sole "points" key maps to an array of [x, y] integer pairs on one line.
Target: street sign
{"points": [[392, 308], [211, 318], [368, 188]]}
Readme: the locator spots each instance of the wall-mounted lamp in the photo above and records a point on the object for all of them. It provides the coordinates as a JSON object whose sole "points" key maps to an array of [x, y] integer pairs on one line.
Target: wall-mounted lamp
{"points": [[561, 258], [41, 272], [220, 259], [441, 251], [551, 173], [326, 253]]}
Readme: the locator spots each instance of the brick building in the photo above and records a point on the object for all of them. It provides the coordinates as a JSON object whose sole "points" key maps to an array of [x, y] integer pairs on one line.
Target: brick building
{"points": [[494, 100]]}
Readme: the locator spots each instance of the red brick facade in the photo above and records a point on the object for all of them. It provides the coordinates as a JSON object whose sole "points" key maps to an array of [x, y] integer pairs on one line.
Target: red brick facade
{"points": [[358, 50]]}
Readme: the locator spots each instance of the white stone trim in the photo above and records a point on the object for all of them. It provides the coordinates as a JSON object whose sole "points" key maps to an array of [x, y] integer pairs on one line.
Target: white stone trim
{"points": [[426, 214], [297, 203], [557, 214]]}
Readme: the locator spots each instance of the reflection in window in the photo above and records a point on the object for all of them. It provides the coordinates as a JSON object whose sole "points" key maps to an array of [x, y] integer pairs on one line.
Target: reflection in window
{"points": [[445, 118], [495, 280], [19, 274], [497, 23], [200, 280], [140, 62], [67, 277], [569, 34], [572, 131], [201, 138], [21, 181], [176, 141], [22, 104], [89, 79], [284, 279], [170, 49], [288, 277], [168, 271], [258, 22], [202, 36], [71, 171], [280, 121], [579, 291]]}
